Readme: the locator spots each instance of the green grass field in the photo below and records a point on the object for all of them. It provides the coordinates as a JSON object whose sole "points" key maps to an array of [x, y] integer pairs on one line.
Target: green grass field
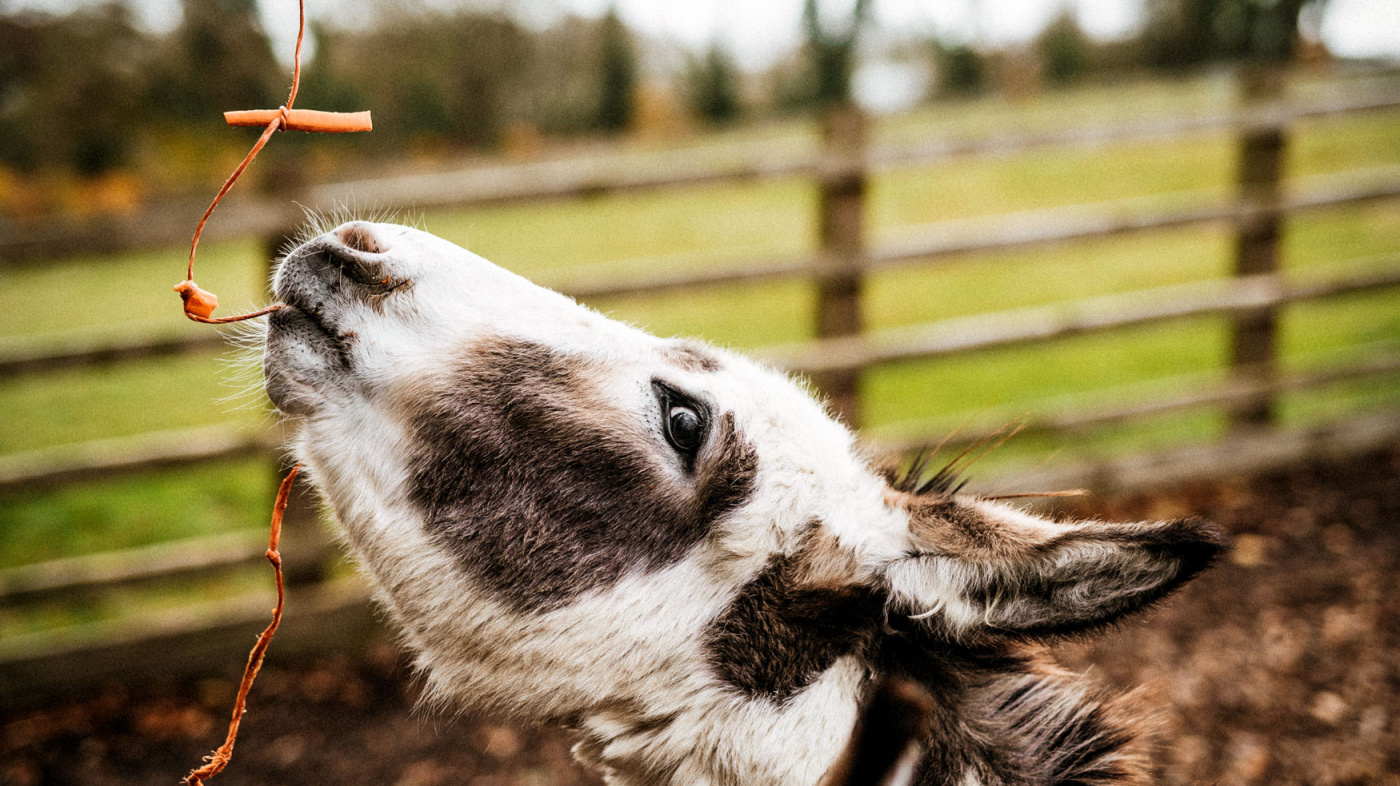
{"points": [[727, 224]]}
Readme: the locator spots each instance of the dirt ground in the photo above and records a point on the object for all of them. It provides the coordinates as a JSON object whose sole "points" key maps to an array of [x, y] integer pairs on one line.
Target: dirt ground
{"points": [[1281, 666]]}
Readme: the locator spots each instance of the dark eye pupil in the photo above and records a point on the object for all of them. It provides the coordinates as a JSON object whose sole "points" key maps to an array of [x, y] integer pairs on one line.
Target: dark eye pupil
{"points": [[685, 428]]}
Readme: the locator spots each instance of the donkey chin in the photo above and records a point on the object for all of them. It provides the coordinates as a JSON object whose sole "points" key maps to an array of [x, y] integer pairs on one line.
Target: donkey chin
{"points": [[676, 552]]}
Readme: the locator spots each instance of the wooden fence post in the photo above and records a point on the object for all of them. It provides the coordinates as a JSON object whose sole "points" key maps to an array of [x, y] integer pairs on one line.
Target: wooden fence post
{"points": [[842, 235], [284, 182], [1254, 333], [306, 552]]}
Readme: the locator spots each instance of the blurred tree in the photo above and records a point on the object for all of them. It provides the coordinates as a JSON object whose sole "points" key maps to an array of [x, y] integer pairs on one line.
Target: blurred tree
{"points": [[71, 89], [618, 74], [559, 90], [221, 60], [323, 84], [961, 69], [831, 53], [1064, 48], [432, 78], [1183, 34], [714, 90], [21, 52]]}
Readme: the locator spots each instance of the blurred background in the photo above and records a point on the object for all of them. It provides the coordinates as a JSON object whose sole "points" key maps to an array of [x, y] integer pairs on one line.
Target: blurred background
{"points": [[1160, 237]]}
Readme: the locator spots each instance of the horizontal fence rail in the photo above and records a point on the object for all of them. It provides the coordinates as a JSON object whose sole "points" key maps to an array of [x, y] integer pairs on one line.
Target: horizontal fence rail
{"points": [[243, 216], [1005, 232], [1277, 115], [194, 639], [337, 615], [1060, 320], [63, 579], [1208, 390], [110, 458], [1017, 327], [57, 238], [18, 358], [913, 245]]}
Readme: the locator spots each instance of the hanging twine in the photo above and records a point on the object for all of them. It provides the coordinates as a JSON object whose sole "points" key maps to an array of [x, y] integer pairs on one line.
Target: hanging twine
{"points": [[215, 762], [200, 303]]}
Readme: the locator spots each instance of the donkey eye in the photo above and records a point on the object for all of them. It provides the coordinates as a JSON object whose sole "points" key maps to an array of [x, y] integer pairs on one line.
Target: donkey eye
{"points": [[685, 429], [684, 420]]}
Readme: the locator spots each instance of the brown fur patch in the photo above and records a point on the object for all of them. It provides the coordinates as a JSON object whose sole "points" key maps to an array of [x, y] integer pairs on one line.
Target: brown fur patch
{"points": [[544, 492], [961, 530], [1007, 715], [793, 621]]}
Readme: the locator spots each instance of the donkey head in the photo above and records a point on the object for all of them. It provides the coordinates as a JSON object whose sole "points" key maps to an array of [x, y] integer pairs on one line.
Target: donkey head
{"points": [[667, 547]]}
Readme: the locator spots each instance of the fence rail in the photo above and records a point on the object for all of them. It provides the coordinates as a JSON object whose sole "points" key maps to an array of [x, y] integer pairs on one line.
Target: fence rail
{"points": [[61, 579], [244, 217], [18, 358], [119, 457], [1205, 390], [1061, 320], [65, 579], [913, 246], [337, 615], [109, 458], [1251, 298]]}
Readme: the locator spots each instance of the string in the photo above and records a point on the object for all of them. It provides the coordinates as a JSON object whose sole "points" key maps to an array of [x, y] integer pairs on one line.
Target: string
{"points": [[215, 762], [199, 304]]}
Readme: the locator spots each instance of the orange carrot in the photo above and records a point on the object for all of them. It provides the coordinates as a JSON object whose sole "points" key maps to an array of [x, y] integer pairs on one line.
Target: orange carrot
{"points": [[303, 120]]}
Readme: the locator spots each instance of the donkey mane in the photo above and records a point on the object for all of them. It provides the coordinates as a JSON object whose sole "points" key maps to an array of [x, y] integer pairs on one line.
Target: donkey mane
{"points": [[915, 480]]}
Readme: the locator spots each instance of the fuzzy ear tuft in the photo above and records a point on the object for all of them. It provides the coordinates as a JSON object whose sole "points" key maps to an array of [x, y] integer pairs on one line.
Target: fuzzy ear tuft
{"points": [[983, 571]]}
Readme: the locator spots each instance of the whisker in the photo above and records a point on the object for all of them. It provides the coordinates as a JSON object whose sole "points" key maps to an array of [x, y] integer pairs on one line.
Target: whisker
{"points": [[1033, 494]]}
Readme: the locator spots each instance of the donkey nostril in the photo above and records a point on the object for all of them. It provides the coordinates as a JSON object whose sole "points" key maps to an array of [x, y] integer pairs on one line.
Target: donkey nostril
{"points": [[353, 252], [359, 237]]}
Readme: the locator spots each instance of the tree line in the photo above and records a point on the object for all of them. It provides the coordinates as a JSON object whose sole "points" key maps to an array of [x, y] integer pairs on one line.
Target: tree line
{"points": [[87, 91]]}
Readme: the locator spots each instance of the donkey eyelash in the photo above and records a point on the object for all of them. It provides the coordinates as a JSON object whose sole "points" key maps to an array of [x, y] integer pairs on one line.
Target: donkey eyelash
{"points": [[946, 481]]}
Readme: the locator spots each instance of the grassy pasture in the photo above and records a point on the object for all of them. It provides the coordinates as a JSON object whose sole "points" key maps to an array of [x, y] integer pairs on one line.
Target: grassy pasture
{"points": [[697, 227]]}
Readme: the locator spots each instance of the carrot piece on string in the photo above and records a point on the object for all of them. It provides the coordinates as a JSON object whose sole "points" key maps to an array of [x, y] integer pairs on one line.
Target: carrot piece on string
{"points": [[215, 762], [303, 120], [200, 303]]}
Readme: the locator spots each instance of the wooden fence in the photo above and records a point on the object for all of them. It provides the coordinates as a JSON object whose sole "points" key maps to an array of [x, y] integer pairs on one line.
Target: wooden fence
{"points": [[842, 351]]}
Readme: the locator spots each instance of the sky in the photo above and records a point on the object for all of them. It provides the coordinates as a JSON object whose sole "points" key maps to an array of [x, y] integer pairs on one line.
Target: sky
{"points": [[762, 31]]}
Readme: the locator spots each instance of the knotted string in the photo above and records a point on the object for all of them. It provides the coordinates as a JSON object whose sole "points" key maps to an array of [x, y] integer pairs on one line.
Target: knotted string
{"points": [[199, 303]]}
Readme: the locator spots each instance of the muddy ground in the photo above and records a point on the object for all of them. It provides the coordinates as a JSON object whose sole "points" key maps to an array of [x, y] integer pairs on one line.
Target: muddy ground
{"points": [[1281, 666]]}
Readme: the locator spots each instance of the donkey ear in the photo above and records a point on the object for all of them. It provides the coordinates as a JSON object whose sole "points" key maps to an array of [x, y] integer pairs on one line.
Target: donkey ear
{"points": [[981, 571]]}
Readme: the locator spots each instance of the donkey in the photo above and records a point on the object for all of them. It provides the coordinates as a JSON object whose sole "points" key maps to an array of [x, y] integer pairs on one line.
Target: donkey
{"points": [[674, 551]]}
